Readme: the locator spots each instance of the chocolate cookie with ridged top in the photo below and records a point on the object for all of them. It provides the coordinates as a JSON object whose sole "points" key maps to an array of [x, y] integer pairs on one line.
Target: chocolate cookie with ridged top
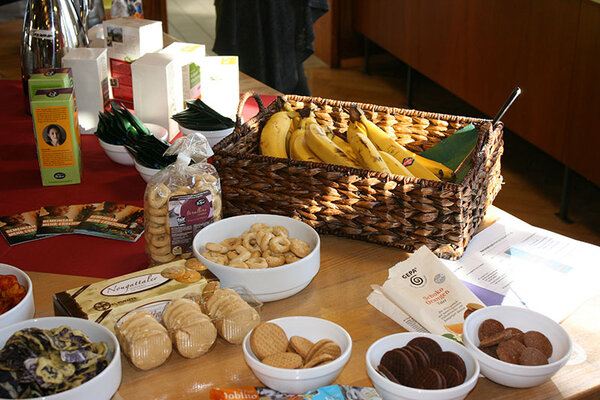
{"points": [[398, 364], [450, 358], [428, 345], [427, 378]]}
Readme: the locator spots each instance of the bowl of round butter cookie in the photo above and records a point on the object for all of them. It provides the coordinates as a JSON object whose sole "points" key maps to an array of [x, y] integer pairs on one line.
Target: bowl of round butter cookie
{"points": [[297, 354], [273, 256]]}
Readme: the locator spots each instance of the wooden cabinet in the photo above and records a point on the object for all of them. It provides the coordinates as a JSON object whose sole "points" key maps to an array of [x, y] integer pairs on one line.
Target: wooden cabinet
{"points": [[481, 50]]}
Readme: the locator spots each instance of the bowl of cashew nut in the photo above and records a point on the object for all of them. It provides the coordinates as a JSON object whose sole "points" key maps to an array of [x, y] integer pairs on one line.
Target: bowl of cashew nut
{"points": [[273, 256]]}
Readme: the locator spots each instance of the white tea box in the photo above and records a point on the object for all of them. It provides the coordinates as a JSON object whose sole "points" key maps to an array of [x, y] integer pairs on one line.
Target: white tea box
{"points": [[189, 56], [220, 84], [130, 38], [157, 90], [90, 80]]}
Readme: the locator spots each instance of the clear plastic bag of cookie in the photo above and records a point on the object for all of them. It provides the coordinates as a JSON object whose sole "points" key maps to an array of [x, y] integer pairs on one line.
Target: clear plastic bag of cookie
{"points": [[234, 310], [143, 339], [180, 200], [192, 331]]}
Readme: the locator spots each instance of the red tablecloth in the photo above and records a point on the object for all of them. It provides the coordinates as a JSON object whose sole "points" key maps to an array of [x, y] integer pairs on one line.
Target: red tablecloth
{"points": [[102, 180]]}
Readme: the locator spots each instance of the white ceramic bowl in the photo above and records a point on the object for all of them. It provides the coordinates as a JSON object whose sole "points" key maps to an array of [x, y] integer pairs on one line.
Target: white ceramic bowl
{"points": [[519, 376], [25, 308], [389, 390], [302, 380], [100, 387], [213, 137], [145, 172], [117, 153], [267, 284], [159, 132]]}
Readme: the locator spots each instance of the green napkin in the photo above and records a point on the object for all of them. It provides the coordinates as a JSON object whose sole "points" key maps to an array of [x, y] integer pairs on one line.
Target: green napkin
{"points": [[453, 150]]}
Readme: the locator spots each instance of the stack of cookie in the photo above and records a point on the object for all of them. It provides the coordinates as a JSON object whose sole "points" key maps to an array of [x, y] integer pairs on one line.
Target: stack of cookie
{"points": [[271, 346], [144, 340], [185, 271], [191, 330], [232, 315]]}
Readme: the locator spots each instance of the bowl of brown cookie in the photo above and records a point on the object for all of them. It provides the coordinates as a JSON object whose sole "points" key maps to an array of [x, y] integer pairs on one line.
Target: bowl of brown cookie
{"points": [[515, 346], [415, 365], [273, 256], [297, 354]]}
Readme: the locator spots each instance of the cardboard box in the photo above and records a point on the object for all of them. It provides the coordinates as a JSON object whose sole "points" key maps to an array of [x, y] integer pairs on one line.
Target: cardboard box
{"points": [[157, 90], [106, 301], [57, 136], [127, 39], [49, 78], [189, 56], [220, 84], [90, 80]]}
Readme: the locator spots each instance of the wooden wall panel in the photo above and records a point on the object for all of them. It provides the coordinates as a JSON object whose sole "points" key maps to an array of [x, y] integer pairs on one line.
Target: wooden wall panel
{"points": [[480, 50], [582, 138], [156, 10]]}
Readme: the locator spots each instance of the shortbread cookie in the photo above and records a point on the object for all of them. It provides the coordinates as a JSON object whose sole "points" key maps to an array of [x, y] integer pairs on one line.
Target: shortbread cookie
{"points": [[144, 340], [232, 316], [284, 360], [191, 330], [268, 338], [301, 345]]}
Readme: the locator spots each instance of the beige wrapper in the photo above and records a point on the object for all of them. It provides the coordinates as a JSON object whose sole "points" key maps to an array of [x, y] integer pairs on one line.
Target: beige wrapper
{"points": [[430, 293]]}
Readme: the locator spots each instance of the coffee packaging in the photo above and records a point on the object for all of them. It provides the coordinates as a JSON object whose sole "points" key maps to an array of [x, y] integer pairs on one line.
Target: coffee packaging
{"points": [[189, 56]]}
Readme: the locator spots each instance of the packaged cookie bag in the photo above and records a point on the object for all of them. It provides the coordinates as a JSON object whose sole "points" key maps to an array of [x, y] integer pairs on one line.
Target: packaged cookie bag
{"points": [[180, 200]]}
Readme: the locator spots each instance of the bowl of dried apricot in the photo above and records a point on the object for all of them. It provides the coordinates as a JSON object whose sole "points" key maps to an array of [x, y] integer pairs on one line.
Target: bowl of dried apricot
{"points": [[273, 256], [16, 295], [297, 354], [515, 346]]}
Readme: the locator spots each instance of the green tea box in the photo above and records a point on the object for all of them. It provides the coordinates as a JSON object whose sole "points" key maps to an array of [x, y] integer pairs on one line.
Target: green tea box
{"points": [[188, 56], [56, 130]]}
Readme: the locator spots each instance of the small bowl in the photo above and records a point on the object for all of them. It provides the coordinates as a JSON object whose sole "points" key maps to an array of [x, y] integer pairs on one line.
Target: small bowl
{"points": [[100, 387], [25, 308], [117, 153], [389, 390], [159, 132], [518, 376], [145, 172], [267, 284], [302, 380], [213, 137]]}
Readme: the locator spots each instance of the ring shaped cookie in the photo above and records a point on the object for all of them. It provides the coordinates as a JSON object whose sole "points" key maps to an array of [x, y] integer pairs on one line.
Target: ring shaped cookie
{"points": [[160, 240], [158, 195], [162, 258], [158, 212], [161, 251], [279, 244], [156, 229]]}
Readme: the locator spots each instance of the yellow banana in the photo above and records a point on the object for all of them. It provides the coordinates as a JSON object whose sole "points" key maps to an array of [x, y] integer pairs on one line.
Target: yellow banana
{"points": [[367, 152], [299, 149], [439, 169], [346, 148], [274, 135], [389, 145], [324, 148], [394, 165]]}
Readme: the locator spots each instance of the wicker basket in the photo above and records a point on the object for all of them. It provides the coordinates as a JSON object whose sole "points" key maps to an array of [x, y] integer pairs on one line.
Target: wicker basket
{"points": [[366, 205]]}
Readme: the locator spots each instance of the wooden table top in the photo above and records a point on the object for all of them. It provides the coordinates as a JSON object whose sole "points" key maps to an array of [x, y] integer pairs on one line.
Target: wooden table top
{"points": [[338, 293]]}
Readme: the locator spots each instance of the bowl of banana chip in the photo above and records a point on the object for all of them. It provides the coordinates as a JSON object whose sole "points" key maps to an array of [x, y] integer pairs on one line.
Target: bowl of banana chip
{"points": [[59, 358]]}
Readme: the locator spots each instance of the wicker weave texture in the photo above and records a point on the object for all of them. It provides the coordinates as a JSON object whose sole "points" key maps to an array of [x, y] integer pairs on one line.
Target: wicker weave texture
{"points": [[366, 205]]}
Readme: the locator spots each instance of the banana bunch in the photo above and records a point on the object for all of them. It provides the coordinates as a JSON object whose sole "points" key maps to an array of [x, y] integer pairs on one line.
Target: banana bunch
{"points": [[275, 135], [416, 165]]}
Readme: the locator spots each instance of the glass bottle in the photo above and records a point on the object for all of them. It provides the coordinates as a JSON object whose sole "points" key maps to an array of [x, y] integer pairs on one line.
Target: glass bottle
{"points": [[49, 28]]}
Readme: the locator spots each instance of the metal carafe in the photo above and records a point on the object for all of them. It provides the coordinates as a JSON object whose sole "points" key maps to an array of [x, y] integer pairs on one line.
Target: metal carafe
{"points": [[49, 28]]}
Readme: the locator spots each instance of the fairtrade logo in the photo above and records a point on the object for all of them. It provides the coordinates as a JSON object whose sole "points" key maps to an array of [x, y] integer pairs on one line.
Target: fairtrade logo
{"points": [[52, 94], [439, 278], [408, 161]]}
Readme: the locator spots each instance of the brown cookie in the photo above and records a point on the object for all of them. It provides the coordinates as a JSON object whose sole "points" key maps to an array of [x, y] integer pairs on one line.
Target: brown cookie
{"points": [[539, 341], [490, 351], [316, 347], [268, 338], [421, 357], [427, 378], [532, 356], [283, 360], [194, 264], [386, 372], [410, 356], [510, 351], [453, 377], [514, 333], [189, 276], [398, 364], [494, 338], [489, 327], [428, 345], [471, 307], [319, 359], [173, 272], [301, 345], [450, 358]]}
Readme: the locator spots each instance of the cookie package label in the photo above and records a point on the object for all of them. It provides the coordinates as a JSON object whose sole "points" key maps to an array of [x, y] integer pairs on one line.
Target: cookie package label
{"points": [[134, 285], [188, 214]]}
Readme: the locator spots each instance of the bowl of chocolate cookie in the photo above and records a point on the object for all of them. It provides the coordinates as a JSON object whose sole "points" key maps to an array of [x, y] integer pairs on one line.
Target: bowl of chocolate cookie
{"points": [[415, 365], [515, 346], [273, 256]]}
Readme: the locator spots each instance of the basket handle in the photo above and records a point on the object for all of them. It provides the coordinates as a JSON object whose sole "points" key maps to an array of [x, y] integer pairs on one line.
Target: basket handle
{"points": [[243, 100]]}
